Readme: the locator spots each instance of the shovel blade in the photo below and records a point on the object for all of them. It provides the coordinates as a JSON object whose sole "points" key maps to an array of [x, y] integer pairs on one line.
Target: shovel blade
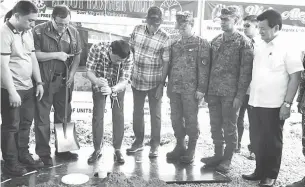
{"points": [[66, 140]]}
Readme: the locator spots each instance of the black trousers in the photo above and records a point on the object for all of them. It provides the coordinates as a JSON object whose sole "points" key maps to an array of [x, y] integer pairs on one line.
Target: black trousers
{"points": [[54, 94], [303, 130], [267, 140], [240, 120], [16, 124]]}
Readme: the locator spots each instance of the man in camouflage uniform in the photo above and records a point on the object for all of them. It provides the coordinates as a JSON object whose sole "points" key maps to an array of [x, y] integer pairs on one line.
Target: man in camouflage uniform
{"points": [[188, 81], [230, 76]]}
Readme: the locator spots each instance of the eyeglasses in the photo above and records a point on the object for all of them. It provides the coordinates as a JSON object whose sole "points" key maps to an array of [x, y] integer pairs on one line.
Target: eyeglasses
{"points": [[61, 24], [247, 25]]}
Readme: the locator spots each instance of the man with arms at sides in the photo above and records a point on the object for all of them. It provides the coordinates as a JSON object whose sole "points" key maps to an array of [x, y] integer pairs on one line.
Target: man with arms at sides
{"points": [[275, 80], [230, 76], [18, 66], [109, 70], [251, 31], [188, 82], [150, 45], [55, 41]]}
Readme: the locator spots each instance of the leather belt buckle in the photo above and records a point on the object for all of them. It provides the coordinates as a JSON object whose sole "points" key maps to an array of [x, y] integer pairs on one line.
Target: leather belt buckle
{"points": [[58, 74]]}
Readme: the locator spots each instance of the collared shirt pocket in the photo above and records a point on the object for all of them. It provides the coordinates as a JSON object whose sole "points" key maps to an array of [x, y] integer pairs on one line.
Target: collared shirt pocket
{"points": [[192, 53], [276, 60]]}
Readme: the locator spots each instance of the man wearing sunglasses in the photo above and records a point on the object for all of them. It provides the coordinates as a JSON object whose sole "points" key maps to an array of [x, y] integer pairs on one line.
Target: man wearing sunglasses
{"points": [[187, 84], [150, 45], [251, 31], [230, 76], [57, 44]]}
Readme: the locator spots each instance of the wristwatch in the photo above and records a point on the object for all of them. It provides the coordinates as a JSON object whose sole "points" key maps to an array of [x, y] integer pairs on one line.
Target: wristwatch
{"points": [[286, 104], [39, 83]]}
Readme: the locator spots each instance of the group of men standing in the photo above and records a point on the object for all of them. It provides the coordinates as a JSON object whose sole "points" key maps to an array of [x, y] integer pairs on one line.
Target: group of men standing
{"points": [[33, 79], [219, 71]]}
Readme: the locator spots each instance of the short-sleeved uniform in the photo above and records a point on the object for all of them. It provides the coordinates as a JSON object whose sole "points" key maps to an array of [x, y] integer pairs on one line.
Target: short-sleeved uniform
{"points": [[16, 121]]}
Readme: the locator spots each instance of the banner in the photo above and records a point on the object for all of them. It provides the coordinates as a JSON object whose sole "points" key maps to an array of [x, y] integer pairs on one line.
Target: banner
{"points": [[293, 17], [99, 10], [109, 20]]}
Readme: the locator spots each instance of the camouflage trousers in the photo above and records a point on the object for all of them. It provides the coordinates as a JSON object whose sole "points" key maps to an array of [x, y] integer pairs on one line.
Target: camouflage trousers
{"points": [[223, 119], [184, 115], [303, 129]]}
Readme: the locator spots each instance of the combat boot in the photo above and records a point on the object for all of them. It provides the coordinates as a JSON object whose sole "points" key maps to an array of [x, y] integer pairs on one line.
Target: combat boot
{"points": [[189, 155], [178, 151], [216, 159]]}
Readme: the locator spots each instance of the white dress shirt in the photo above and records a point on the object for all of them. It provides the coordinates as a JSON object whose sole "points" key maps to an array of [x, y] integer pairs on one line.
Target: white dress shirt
{"points": [[273, 63]]}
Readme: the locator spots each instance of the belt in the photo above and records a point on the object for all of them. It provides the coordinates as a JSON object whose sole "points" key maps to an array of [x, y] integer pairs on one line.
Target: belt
{"points": [[59, 74]]}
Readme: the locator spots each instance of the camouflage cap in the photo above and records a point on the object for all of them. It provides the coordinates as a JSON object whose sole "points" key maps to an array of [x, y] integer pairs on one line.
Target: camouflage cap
{"points": [[230, 11], [184, 17]]}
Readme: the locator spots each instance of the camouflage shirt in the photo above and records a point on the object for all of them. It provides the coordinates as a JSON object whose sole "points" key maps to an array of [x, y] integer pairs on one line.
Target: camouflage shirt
{"points": [[189, 65], [301, 106], [231, 66]]}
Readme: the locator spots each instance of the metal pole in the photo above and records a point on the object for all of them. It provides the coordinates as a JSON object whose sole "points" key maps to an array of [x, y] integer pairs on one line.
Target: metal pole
{"points": [[202, 15]]}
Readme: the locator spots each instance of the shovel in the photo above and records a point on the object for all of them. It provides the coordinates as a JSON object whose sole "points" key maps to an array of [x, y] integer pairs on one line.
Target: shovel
{"points": [[65, 132]]}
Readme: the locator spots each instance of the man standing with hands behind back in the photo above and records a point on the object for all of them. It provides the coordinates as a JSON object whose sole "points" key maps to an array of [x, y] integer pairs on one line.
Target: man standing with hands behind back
{"points": [[57, 44], [251, 31]]}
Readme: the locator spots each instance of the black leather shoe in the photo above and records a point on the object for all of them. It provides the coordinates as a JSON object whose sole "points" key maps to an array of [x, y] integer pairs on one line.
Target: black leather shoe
{"points": [[66, 155], [267, 182], [14, 169], [28, 161], [119, 157], [94, 157], [252, 177], [47, 161]]}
